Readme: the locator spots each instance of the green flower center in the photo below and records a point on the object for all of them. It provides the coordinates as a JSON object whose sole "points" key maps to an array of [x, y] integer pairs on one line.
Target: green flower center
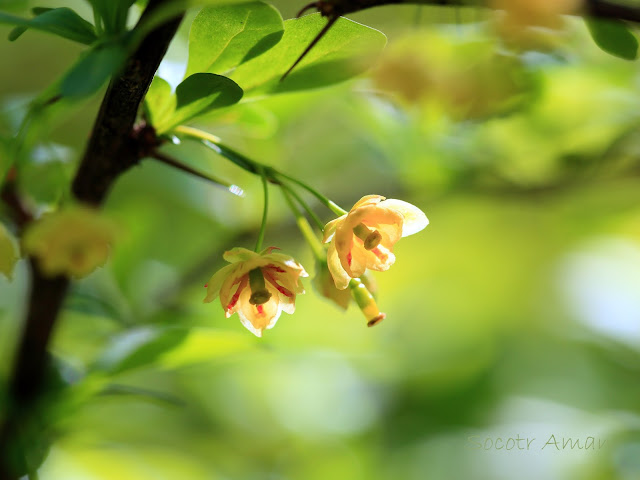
{"points": [[370, 237], [259, 292]]}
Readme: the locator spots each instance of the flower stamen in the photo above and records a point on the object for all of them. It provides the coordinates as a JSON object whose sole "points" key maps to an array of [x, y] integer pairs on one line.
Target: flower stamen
{"points": [[272, 280], [259, 292], [370, 237]]}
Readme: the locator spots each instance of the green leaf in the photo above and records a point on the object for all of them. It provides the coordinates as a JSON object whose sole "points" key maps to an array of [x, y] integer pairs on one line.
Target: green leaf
{"points": [[223, 37], [169, 347], [345, 51], [614, 37], [8, 254], [159, 103], [92, 71], [63, 22], [113, 13], [198, 94]]}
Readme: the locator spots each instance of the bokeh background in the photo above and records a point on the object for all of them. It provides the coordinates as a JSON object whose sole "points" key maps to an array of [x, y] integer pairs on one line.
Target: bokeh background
{"points": [[515, 313]]}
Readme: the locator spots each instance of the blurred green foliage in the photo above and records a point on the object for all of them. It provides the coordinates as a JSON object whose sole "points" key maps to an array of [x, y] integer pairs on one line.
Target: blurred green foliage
{"points": [[516, 312]]}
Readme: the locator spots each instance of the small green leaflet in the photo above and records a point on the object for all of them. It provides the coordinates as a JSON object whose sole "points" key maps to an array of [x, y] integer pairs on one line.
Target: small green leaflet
{"points": [[113, 13], [63, 22], [345, 51], [223, 37], [196, 95], [92, 70], [614, 37]]}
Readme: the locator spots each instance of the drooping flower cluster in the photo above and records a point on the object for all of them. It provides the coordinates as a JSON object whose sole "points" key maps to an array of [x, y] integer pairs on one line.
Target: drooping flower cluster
{"points": [[258, 286]]}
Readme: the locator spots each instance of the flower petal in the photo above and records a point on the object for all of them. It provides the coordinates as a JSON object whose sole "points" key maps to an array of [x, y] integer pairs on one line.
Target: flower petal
{"points": [[340, 276], [257, 318], [330, 228], [414, 218], [239, 254], [287, 262], [368, 200], [215, 282]]}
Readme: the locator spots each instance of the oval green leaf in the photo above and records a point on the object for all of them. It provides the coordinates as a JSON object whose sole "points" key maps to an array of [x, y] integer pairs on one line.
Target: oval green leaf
{"points": [[223, 37], [93, 69], [345, 51], [63, 22], [197, 95], [614, 37]]}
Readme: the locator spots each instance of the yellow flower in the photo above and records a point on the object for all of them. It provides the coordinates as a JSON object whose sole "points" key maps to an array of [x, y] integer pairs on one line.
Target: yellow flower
{"points": [[258, 286], [73, 241], [363, 238]]}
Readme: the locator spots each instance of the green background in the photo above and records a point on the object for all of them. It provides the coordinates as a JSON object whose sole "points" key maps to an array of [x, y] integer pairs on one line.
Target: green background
{"points": [[515, 312]]}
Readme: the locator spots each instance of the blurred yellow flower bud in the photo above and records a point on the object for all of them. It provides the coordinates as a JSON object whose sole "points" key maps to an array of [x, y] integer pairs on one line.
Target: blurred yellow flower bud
{"points": [[73, 241], [8, 256]]}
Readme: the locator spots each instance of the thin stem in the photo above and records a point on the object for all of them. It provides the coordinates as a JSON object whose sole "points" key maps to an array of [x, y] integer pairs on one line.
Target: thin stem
{"points": [[304, 226], [304, 205], [252, 166], [335, 208], [263, 227], [172, 162], [216, 145]]}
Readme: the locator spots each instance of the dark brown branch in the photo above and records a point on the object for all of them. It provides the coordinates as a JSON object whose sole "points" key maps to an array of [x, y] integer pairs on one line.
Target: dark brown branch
{"points": [[115, 145]]}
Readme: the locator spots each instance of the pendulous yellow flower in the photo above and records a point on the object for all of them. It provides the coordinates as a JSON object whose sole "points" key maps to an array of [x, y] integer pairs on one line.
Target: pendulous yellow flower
{"points": [[364, 237], [258, 286], [73, 241]]}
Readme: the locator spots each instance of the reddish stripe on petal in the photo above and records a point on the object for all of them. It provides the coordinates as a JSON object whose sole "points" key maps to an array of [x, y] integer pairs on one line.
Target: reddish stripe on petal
{"points": [[349, 258], [276, 268], [382, 256], [272, 280], [243, 283], [260, 309]]}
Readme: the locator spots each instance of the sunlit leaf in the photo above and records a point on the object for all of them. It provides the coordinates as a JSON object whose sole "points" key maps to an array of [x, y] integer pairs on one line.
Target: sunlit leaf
{"points": [[223, 37], [63, 22], [197, 95], [345, 51], [159, 103], [614, 37]]}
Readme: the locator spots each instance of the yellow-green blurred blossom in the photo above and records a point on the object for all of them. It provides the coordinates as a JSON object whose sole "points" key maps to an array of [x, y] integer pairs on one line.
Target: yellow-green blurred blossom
{"points": [[435, 72], [8, 255], [365, 300], [520, 15], [364, 237], [258, 286], [73, 241]]}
